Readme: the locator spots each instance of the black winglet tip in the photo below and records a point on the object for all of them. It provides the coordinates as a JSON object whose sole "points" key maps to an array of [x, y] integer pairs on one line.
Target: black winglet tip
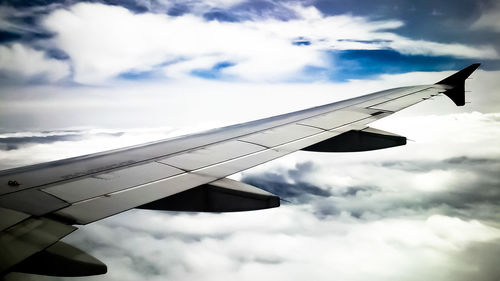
{"points": [[456, 83], [460, 76], [471, 67], [474, 66]]}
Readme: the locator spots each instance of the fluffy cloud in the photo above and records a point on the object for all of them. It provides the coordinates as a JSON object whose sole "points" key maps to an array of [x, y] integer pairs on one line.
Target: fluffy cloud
{"points": [[295, 246], [107, 48], [22, 61], [261, 49]]}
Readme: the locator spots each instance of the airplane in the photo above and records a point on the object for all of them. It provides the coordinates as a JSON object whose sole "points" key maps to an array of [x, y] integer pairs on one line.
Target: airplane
{"points": [[42, 203]]}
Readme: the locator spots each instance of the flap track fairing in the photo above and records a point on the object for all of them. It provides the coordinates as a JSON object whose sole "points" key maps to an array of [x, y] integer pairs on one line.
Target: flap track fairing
{"points": [[61, 259], [224, 195], [358, 140]]}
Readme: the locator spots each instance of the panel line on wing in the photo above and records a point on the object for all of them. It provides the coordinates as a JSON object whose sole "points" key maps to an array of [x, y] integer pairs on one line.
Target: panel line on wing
{"points": [[209, 155], [403, 96], [267, 151], [170, 166], [401, 102], [266, 147], [387, 95], [106, 183], [338, 124], [279, 135], [306, 125]]}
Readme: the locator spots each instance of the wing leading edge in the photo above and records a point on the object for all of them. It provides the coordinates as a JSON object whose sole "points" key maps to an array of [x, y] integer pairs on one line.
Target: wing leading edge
{"points": [[39, 204]]}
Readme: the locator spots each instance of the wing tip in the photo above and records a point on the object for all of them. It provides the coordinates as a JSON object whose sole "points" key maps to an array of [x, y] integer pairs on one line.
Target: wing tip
{"points": [[457, 83], [459, 77]]}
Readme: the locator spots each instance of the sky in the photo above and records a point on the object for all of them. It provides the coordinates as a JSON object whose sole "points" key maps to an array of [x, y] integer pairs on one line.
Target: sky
{"points": [[82, 77]]}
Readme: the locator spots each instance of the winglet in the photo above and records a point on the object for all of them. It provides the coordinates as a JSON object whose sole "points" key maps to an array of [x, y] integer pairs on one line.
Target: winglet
{"points": [[457, 82]]}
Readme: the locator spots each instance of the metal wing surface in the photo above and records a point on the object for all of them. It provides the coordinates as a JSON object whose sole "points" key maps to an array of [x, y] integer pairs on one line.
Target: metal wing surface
{"points": [[39, 204]]}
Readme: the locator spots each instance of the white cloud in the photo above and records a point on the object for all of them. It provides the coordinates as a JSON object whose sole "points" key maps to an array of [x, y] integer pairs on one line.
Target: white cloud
{"points": [[104, 41], [242, 246], [420, 47], [101, 49], [19, 60], [221, 3]]}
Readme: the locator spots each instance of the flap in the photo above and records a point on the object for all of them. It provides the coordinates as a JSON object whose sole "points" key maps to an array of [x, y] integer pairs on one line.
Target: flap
{"points": [[224, 195]]}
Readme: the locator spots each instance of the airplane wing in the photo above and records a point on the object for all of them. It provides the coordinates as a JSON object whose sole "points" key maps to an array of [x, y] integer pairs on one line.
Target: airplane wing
{"points": [[42, 203]]}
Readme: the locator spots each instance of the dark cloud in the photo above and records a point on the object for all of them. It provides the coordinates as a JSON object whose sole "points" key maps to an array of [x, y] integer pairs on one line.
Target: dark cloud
{"points": [[57, 54], [358, 190], [214, 72], [132, 5], [24, 17], [439, 21], [428, 20], [298, 191], [468, 199], [220, 15], [467, 10], [6, 36], [263, 9], [459, 163], [21, 20], [482, 257], [12, 143], [33, 3], [178, 10]]}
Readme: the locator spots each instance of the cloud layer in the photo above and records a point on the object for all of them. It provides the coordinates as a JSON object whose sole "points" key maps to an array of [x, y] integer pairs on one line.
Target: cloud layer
{"points": [[423, 210], [263, 50], [22, 62], [201, 104]]}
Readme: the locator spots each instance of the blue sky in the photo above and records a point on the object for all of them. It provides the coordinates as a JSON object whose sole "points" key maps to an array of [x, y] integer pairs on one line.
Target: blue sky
{"points": [[77, 77]]}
